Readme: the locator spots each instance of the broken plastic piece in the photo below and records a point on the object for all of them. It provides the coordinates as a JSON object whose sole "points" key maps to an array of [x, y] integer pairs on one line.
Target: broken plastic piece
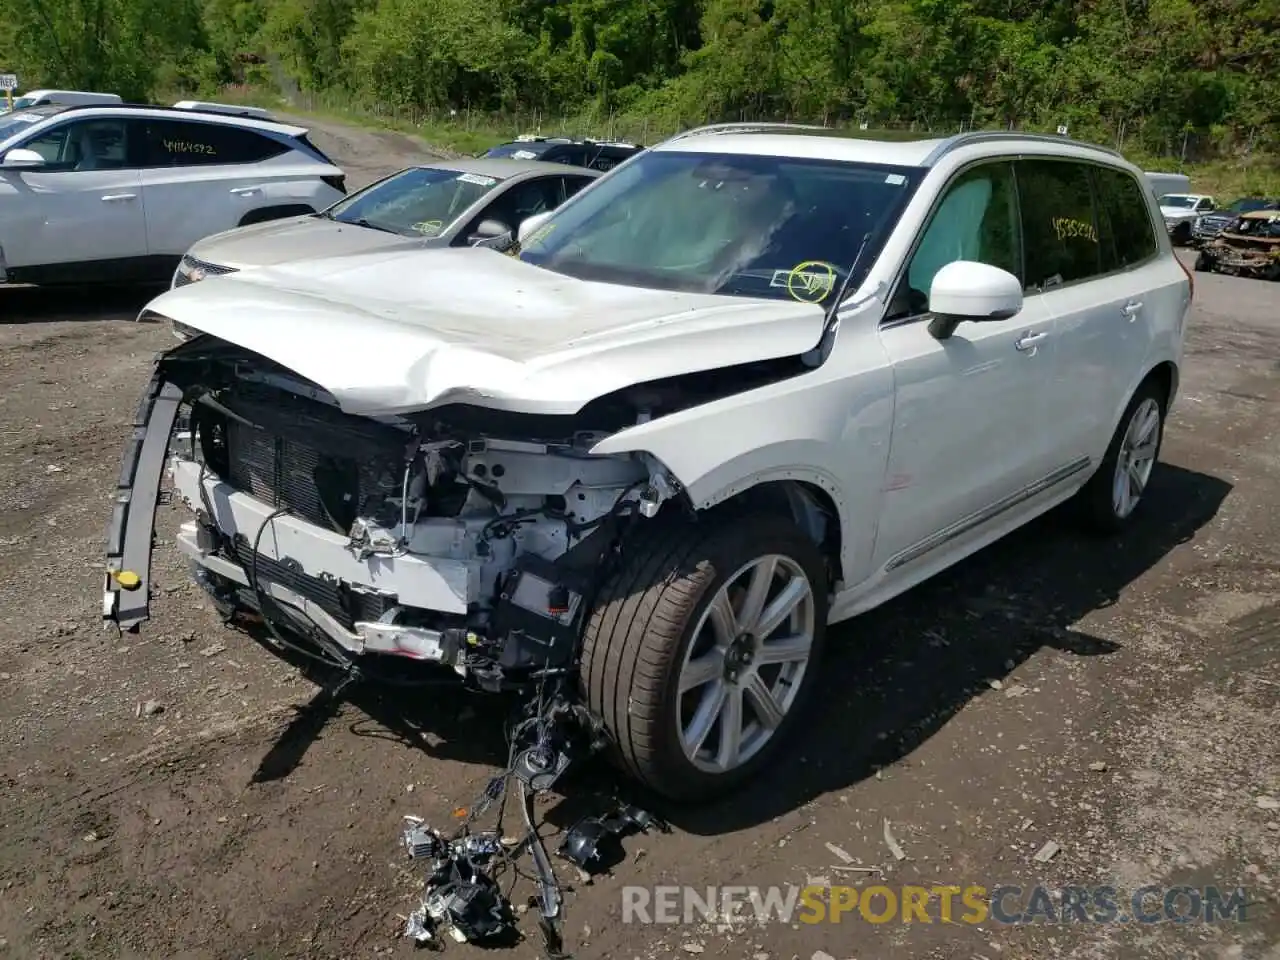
{"points": [[595, 843]]}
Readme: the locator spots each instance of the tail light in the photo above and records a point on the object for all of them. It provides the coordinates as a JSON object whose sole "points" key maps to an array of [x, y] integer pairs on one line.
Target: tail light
{"points": [[338, 183]]}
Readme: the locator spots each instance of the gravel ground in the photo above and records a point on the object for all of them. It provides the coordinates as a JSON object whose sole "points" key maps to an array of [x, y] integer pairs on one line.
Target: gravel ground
{"points": [[177, 793]]}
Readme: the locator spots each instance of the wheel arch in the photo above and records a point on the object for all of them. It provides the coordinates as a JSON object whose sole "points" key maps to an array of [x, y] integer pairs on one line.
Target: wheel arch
{"points": [[1166, 374], [807, 496]]}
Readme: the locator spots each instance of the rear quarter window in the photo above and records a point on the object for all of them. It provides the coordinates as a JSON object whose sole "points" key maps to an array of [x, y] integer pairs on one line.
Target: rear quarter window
{"points": [[1127, 235], [177, 143]]}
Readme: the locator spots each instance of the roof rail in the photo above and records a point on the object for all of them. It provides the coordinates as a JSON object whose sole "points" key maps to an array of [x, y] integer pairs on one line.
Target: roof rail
{"points": [[178, 111], [994, 136], [714, 128]]}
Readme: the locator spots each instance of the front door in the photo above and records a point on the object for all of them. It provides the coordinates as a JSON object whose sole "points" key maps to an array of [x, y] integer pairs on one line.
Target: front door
{"points": [[969, 416], [84, 205]]}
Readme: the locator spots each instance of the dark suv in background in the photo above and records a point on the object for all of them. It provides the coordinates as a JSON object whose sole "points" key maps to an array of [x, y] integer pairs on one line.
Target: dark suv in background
{"points": [[595, 154]]}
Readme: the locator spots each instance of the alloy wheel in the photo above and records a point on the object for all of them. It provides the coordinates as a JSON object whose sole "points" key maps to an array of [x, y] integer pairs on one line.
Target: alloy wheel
{"points": [[1136, 457], [743, 668]]}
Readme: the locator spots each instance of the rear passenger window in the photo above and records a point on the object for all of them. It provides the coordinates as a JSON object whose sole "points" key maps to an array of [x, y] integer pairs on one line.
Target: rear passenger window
{"points": [[1124, 221], [976, 220], [1060, 236], [176, 143]]}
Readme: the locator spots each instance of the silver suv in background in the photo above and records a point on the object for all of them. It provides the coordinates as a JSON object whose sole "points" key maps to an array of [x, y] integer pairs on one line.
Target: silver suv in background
{"points": [[447, 203]]}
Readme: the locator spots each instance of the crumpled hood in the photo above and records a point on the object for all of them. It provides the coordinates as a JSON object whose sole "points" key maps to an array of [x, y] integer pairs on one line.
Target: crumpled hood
{"points": [[295, 238], [396, 332]]}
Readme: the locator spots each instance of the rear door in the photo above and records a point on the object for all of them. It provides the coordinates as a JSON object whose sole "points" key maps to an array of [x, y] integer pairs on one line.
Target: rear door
{"points": [[84, 205], [201, 178], [1092, 247]]}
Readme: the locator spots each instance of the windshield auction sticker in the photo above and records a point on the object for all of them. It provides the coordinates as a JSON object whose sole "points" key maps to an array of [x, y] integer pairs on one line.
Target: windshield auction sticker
{"points": [[807, 282]]}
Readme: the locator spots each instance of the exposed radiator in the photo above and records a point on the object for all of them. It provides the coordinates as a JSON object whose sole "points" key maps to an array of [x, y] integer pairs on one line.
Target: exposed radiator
{"points": [[276, 471]]}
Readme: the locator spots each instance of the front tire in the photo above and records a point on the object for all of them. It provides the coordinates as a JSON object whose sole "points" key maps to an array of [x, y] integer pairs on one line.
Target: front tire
{"points": [[701, 651], [1114, 493]]}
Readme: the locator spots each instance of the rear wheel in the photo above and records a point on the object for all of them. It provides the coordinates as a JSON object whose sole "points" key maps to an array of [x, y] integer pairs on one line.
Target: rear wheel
{"points": [[1114, 493], [699, 655]]}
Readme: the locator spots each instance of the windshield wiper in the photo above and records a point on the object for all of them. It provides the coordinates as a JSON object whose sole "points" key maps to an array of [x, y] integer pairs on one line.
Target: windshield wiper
{"points": [[365, 222]]}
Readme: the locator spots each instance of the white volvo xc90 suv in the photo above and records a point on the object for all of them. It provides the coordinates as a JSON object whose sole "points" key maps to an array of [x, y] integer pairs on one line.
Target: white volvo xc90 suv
{"points": [[754, 382]]}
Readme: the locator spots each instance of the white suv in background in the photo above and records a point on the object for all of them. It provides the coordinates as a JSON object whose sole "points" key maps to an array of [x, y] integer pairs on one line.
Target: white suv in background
{"points": [[120, 192], [753, 382]]}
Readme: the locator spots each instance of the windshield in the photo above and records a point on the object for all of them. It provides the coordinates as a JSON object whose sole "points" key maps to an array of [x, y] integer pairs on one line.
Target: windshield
{"points": [[1177, 200], [740, 225], [418, 202]]}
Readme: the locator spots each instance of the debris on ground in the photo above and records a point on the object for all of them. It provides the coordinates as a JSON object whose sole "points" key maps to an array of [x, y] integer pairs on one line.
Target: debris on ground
{"points": [[894, 847], [1098, 766], [1047, 852], [841, 854], [1267, 803], [462, 895]]}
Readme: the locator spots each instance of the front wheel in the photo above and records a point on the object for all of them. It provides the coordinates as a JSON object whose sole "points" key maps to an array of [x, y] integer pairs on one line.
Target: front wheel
{"points": [[1204, 263], [700, 653], [1112, 496]]}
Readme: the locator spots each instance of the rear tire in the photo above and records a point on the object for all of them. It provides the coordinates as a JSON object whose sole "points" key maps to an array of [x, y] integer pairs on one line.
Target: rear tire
{"points": [[680, 614], [1116, 491]]}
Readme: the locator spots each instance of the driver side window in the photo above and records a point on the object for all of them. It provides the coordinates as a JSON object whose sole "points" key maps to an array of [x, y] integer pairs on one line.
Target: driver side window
{"points": [[84, 145], [976, 220], [518, 204]]}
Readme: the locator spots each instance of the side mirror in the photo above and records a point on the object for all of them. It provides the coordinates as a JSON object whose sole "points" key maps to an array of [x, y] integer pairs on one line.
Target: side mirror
{"points": [[968, 291], [19, 159], [490, 233], [530, 224]]}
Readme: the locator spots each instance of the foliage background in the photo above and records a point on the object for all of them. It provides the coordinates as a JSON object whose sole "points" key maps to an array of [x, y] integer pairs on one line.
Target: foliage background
{"points": [[1191, 79]]}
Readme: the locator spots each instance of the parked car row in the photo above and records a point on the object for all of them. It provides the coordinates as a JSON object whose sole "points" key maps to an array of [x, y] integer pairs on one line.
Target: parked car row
{"points": [[93, 191], [635, 439]]}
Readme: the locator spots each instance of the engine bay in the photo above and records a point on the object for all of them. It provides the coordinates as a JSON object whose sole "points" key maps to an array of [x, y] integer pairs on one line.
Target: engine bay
{"points": [[516, 510]]}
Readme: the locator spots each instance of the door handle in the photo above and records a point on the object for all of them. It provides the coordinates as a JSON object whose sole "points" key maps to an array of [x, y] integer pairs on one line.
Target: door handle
{"points": [[1028, 341], [1131, 309], [112, 197], [245, 191]]}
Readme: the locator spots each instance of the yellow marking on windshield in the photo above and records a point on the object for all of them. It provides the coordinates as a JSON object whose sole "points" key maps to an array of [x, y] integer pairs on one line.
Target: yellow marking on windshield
{"points": [[429, 226], [811, 281]]}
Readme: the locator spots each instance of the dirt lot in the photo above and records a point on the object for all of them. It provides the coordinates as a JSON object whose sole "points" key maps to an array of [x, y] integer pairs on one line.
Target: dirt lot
{"points": [[171, 795]]}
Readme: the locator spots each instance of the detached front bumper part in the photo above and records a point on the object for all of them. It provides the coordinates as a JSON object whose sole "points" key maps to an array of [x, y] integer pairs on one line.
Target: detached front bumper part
{"points": [[126, 595]]}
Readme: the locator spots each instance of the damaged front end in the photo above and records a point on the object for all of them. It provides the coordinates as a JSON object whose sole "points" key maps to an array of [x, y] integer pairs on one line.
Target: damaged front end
{"points": [[461, 537], [1250, 247]]}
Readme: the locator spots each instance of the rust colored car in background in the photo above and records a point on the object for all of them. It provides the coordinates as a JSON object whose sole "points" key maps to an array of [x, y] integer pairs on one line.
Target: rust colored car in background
{"points": [[1249, 247]]}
